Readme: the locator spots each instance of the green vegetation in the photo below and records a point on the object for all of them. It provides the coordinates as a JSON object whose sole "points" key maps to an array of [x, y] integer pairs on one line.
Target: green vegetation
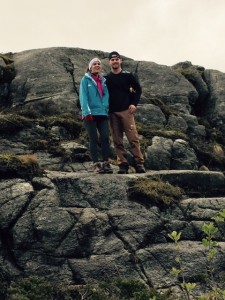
{"points": [[187, 287], [167, 111], [65, 120], [35, 288], [154, 192], [39, 288], [151, 131], [12, 123], [23, 166], [211, 247]]}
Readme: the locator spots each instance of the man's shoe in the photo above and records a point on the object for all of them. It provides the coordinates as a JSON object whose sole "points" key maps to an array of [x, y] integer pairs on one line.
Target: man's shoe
{"points": [[123, 169], [140, 169], [107, 168]]}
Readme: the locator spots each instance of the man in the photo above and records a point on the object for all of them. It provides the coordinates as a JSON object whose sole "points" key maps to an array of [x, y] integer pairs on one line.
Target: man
{"points": [[124, 95]]}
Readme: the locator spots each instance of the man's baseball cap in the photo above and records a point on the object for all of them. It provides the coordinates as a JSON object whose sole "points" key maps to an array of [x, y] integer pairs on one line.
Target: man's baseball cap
{"points": [[114, 54]]}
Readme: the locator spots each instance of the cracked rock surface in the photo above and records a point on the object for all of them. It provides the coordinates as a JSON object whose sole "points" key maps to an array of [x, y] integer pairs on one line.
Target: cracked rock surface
{"points": [[82, 228]]}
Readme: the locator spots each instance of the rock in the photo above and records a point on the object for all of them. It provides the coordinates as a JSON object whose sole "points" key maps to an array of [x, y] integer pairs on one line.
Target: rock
{"points": [[214, 107], [78, 228], [159, 154], [71, 226]]}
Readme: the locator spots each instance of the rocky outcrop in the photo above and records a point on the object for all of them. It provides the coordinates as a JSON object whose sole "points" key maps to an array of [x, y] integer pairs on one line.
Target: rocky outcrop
{"points": [[181, 104], [72, 226]]}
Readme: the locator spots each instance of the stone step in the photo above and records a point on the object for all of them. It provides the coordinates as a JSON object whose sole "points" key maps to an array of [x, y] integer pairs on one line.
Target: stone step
{"points": [[195, 183]]}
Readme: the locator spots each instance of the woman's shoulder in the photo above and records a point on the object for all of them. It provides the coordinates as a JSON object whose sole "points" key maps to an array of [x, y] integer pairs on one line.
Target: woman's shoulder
{"points": [[86, 77]]}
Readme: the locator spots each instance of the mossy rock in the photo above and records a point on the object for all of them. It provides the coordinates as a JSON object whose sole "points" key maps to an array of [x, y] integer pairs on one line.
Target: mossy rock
{"points": [[154, 192], [22, 166], [149, 132], [12, 123], [67, 121]]}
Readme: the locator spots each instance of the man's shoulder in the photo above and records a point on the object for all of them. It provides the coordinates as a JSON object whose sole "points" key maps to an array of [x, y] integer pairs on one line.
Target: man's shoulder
{"points": [[127, 74], [122, 72]]}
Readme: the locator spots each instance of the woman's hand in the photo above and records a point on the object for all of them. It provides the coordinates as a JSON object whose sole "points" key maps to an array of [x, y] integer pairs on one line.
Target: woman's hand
{"points": [[89, 118]]}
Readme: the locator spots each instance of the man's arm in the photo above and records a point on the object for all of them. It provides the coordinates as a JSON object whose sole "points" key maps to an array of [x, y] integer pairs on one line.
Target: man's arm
{"points": [[135, 89]]}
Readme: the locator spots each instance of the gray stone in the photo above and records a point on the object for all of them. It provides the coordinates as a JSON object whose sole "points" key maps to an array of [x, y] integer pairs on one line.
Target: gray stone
{"points": [[159, 154]]}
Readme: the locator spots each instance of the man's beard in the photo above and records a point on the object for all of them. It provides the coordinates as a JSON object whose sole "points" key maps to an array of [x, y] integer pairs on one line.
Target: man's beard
{"points": [[116, 66]]}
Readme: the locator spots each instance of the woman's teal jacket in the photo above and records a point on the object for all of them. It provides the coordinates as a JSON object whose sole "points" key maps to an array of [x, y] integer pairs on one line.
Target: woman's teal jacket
{"points": [[91, 100]]}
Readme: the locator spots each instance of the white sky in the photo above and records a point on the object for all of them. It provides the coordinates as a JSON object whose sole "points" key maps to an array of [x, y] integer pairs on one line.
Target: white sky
{"points": [[162, 31]]}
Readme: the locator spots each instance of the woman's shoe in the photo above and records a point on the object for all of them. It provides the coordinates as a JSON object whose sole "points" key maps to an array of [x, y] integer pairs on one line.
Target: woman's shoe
{"points": [[96, 168]]}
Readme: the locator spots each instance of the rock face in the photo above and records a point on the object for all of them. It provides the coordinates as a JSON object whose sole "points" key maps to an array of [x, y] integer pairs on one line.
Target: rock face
{"points": [[81, 228], [182, 104], [71, 225]]}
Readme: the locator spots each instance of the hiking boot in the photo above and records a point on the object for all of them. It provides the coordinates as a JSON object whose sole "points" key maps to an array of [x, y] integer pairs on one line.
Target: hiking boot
{"points": [[96, 168], [140, 169], [107, 168], [123, 169]]}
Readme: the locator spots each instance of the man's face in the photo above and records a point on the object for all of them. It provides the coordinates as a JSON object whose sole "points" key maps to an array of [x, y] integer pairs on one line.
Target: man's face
{"points": [[115, 62]]}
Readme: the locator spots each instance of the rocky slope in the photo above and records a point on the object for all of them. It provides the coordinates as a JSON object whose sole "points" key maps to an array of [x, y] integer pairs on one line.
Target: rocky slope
{"points": [[60, 221]]}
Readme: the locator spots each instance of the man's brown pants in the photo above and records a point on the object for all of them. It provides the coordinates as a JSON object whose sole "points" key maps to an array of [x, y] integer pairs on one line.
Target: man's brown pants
{"points": [[123, 122]]}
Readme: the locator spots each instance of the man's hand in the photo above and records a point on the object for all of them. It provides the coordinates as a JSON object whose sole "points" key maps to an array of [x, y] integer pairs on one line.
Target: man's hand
{"points": [[132, 108]]}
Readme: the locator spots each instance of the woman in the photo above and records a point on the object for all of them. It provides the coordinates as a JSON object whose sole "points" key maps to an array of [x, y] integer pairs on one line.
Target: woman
{"points": [[94, 101]]}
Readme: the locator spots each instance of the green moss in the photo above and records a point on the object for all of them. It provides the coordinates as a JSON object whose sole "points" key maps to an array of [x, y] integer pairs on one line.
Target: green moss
{"points": [[154, 192], [22, 166], [12, 123], [67, 121], [39, 144], [150, 132], [167, 111]]}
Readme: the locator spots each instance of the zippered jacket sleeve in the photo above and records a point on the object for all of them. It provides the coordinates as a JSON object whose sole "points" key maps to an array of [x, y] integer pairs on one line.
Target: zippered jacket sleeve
{"points": [[83, 95]]}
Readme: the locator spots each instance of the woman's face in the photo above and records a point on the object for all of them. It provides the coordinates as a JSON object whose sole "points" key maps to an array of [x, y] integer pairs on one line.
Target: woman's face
{"points": [[96, 67]]}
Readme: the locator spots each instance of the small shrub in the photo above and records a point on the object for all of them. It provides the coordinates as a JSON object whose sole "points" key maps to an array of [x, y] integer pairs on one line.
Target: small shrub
{"points": [[39, 288], [209, 230], [187, 287], [127, 289]]}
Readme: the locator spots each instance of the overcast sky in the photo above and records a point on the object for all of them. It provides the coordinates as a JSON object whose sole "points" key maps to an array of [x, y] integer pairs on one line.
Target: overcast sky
{"points": [[162, 31]]}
